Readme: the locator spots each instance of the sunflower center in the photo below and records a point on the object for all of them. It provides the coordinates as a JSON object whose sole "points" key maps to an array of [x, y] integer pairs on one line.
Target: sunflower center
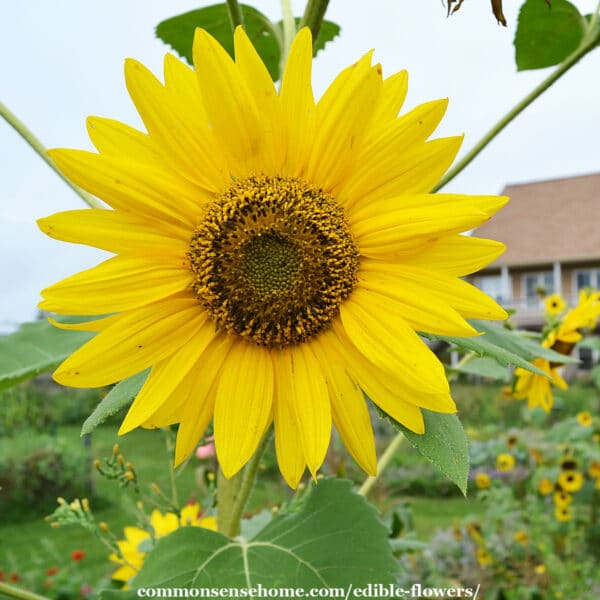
{"points": [[273, 260]]}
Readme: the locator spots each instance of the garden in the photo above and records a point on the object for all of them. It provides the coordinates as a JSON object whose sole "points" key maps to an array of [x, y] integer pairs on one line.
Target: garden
{"points": [[283, 382]]}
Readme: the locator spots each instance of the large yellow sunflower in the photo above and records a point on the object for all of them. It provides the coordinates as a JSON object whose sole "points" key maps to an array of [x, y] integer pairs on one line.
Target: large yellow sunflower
{"points": [[275, 256]]}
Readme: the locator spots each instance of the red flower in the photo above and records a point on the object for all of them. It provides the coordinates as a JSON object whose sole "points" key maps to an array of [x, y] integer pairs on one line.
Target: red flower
{"points": [[2, 575], [14, 578], [52, 571], [77, 555]]}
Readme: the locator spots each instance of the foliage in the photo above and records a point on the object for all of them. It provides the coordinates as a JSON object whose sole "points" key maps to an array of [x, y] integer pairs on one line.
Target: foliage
{"points": [[35, 469]]}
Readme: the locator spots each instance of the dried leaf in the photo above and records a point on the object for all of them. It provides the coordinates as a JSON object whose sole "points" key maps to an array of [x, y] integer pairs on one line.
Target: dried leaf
{"points": [[497, 10]]}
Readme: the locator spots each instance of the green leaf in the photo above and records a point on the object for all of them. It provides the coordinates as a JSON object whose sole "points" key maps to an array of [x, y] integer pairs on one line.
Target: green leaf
{"points": [[34, 349], [505, 346], [119, 397], [334, 540], [444, 443], [484, 367], [547, 35], [178, 32]]}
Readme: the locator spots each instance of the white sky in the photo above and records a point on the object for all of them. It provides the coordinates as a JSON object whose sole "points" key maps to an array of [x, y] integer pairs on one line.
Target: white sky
{"points": [[63, 60]]}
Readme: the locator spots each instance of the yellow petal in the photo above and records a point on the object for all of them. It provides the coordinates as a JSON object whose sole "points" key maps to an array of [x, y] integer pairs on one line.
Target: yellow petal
{"points": [[301, 375], [229, 104], [341, 117], [95, 325], [297, 102], [393, 226], [116, 232], [389, 103], [348, 407], [133, 187], [465, 298], [166, 376], [114, 138], [401, 402], [416, 171], [115, 285], [288, 444], [423, 312], [138, 339], [243, 405], [456, 255], [389, 343], [259, 82]]}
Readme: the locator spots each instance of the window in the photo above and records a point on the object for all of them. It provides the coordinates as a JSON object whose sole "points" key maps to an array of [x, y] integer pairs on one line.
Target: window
{"points": [[491, 285], [588, 278], [534, 284]]}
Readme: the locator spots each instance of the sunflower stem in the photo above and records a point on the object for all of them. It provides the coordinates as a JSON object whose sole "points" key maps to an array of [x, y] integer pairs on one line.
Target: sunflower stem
{"points": [[289, 31], [589, 42], [169, 449], [233, 494], [11, 591], [33, 141], [389, 452], [236, 17], [313, 17], [383, 462]]}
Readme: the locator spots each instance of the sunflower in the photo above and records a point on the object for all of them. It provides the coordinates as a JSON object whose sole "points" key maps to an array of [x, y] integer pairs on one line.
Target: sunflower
{"points": [[483, 481], [584, 418], [505, 462], [137, 542], [563, 513], [545, 487], [562, 498], [570, 481], [484, 558], [275, 257], [537, 388], [554, 304]]}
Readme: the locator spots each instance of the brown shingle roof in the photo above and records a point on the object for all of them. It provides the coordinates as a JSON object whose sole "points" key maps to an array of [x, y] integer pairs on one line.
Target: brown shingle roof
{"points": [[548, 221]]}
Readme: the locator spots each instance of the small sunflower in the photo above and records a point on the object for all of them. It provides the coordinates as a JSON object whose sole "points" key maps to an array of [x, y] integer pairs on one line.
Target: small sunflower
{"points": [[554, 304], [475, 532], [562, 498], [521, 537], [483, 481], [275, 256], [545, 487], [584, 418], [563, 513], [537, 388], [484, 558], [505, 462], [540, 569], [570, 481], [594, 469], [138, 542]]}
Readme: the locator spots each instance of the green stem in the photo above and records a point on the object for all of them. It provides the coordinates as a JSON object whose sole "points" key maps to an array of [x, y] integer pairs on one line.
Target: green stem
{"points": [[383, 462], [28, 136], [14, 592], [236, 17], [590, 40], [313, 17], [169, 447], [389, 452], [289, 31], [233, 494]]}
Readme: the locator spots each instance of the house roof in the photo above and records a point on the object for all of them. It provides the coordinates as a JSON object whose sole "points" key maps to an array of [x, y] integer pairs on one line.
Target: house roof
{"points": [[548, 221]]}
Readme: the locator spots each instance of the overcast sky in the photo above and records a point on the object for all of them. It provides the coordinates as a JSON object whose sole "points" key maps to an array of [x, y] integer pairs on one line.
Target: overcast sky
{"points": [[63, 60]]}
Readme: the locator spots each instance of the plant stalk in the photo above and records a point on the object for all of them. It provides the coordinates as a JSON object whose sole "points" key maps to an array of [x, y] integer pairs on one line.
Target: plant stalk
{"points": [[233, 494], [236, 17], [289, 32], [10, 591], [313, 17], [33, 141], [590, 40]]}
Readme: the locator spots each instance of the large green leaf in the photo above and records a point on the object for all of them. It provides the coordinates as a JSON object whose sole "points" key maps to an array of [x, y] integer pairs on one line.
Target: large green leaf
{"points": [[484, 367], [444, 443], [178, 32], [34, 349], [119, 397], [335, 539], [505, 346], [547, 35]]}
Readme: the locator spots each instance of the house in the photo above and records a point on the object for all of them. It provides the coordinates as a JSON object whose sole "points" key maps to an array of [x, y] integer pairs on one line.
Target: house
{"points": [[552, 233]]}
